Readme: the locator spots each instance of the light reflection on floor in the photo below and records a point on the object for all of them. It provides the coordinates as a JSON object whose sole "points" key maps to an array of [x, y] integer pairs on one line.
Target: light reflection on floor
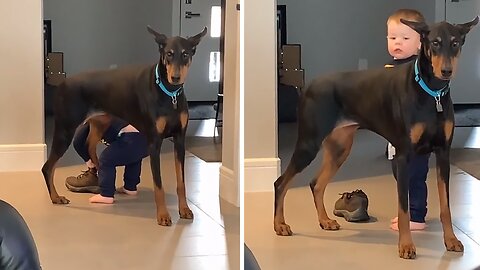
{"points": [[202, 128], [473, 139]]}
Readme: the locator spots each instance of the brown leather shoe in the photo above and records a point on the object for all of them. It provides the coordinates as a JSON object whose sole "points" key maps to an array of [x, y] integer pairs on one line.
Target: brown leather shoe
{"points": [[86, 182]]}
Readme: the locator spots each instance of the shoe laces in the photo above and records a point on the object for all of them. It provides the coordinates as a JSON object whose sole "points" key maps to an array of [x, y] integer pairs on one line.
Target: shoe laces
{"points": [[349, 195], [84, 173]]}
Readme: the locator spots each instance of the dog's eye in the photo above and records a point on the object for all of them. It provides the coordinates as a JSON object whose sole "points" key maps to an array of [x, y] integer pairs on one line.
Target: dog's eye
{"points": [[435, 44], [185, 55], [169, 54], [455, 44]]}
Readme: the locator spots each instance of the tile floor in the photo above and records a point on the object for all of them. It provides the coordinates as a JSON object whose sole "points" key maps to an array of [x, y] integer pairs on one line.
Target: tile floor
{"points": [[125, 235], [362, 245]]}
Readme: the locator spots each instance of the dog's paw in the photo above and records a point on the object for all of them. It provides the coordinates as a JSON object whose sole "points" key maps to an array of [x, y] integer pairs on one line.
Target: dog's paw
{"points": [[407, 251], [453, 244], [60, 200], [329, 225], [186, 213], [164, 220], [283, 229]]}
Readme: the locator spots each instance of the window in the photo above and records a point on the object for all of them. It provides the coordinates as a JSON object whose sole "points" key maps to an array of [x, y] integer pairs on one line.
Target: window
{"points": [[214, 67], [215, 24]]}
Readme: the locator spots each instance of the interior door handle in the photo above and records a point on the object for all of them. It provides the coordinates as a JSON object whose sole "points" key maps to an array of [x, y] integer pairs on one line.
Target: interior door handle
{"points": [[189, 14]]}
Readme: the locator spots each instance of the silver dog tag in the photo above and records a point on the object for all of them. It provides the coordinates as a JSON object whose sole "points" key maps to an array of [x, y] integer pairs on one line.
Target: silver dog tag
{"points": [[439, 105], [174, 102]]}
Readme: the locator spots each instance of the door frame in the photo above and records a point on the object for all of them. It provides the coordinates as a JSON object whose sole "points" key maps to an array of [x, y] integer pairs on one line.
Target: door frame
{"points": [[176, 30]]}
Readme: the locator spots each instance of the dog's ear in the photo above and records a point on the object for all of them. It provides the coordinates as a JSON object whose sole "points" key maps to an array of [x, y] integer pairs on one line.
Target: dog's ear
{"points": [[161, 39], [419, 27], [466, 27], [197, 38]]}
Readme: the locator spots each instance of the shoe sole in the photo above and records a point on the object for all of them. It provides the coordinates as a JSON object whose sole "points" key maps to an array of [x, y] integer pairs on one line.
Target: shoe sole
{"points": [[87, 189], [355, 216]]}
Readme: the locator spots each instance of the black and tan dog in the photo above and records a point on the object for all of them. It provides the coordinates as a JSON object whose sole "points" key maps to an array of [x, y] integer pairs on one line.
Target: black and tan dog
{"points": [[409, 105], [151, 98]]}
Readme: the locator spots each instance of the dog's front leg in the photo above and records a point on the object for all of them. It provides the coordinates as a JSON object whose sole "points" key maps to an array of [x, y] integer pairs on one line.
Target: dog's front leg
{"points": [[179, 145], [163, 217], [443, 178], [406, 248]]}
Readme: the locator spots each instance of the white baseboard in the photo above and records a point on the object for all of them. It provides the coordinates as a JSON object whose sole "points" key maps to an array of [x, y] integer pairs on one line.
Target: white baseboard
{"points": [[229, 187], [22, 157], [261, 173]]}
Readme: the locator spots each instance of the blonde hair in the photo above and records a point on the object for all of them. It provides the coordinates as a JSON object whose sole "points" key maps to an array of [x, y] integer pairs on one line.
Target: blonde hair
{"points": [[407, 14]]}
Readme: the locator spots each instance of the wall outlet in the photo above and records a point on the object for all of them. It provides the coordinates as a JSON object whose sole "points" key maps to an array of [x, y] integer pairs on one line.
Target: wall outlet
{"points": [[362, 64]]}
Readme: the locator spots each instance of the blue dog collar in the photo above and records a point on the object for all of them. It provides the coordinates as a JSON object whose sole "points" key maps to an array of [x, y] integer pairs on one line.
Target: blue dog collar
{"points": [[160, 84], [436, 94]]}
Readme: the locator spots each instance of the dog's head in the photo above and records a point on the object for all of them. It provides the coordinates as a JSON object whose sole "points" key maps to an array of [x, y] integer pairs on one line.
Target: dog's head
{"points": [[442, 43], [176, 54]]}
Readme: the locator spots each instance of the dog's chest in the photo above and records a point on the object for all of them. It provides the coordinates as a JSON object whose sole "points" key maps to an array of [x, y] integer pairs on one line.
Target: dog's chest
{"points": [[428, 135], [170, 119], [171, 123]]}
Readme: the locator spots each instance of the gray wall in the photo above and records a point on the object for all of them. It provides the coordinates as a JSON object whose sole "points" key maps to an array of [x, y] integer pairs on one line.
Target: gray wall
{"points": [[335, 34], [95, 34]]}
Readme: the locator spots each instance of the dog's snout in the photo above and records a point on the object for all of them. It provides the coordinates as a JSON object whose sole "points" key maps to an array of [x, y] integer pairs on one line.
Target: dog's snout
{"points": [[175, 79], [446, 72]]}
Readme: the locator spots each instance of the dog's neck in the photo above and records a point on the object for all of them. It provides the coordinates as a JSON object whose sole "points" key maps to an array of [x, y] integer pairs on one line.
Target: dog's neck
{"points": [[426, 72], [162, 74]]}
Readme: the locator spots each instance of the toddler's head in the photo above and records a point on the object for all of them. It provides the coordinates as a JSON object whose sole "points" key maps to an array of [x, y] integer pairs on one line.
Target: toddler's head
{"points": [[402, 40]]}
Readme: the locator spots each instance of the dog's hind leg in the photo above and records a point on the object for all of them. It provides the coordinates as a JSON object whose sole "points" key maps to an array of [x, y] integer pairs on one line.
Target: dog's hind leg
{"points": [[281, 187], [305, 152], [179, 145], [98, 126], [443, 175], [316, 121], [336, 148], [62, 137]]}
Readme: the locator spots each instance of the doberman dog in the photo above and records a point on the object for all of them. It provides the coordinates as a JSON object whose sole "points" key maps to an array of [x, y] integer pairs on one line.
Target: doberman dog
{"points": [[396, 103], [151, 98]]}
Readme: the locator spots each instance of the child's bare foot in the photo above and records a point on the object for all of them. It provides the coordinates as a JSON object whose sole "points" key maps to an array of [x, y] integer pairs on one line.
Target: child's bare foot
{"points": [[126, 191], [100, 199]]}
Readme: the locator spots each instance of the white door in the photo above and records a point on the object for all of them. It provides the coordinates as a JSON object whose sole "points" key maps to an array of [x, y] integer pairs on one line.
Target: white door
{"points": [[202, 81], [466, 84]]}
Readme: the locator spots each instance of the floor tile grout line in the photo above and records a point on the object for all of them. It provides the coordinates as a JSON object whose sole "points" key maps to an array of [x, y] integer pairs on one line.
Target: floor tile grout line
{"points": [[458, 228], [214, 220]]}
